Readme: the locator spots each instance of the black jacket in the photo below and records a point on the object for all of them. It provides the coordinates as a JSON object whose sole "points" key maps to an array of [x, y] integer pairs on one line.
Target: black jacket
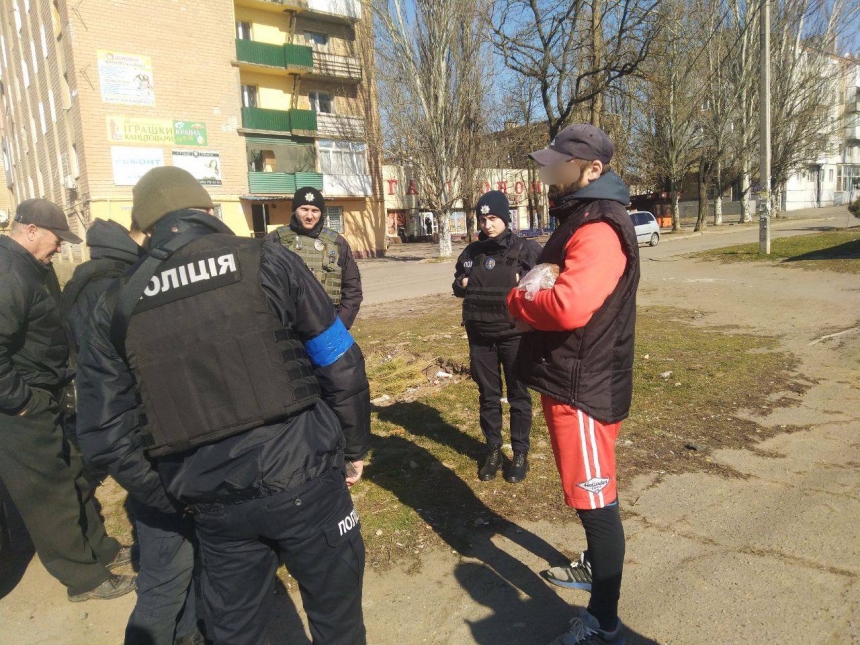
{"points": [[256, 463], [590, 368], [34, 350], [493, 247], [112, 253], [350, 291]]}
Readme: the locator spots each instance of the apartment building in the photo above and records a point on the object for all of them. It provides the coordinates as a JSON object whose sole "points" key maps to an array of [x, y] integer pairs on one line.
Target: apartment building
{"points": [[253, 97]]}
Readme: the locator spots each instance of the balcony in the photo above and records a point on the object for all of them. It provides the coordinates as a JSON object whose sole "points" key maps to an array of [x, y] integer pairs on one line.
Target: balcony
{"points": [[336, 126], [346, 10], [282, 183], [301, 122], [853, 107], [277, 6], [853, 132], [331, 65], [276, 59], [347, 186]]}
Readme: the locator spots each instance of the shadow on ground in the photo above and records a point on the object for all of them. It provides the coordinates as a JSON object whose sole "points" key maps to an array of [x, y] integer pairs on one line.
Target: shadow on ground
{"points": [[846, 251], [525, 610]]}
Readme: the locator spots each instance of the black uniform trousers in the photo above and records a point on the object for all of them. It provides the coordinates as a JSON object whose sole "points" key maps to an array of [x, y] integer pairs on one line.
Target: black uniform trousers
{"points": [[42, 474], [488, 359], [316, 532]]}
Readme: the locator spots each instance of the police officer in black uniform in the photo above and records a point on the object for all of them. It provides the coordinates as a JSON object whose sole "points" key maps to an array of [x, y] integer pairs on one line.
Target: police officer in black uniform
{"points": [[217, 376], [486, 271]]}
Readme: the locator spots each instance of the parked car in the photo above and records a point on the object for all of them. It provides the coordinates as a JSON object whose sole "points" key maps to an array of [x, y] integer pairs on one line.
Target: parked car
{"points": [[647, 229]]}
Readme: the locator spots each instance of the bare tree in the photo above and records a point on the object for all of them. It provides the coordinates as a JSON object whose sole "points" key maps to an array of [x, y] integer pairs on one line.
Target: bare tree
{"points": [[574, 49], [430, 54], [670, 132], [805, 90]]}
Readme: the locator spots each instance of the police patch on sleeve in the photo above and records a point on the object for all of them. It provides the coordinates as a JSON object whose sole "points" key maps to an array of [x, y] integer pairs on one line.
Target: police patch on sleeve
{"points": [[196, 274]]}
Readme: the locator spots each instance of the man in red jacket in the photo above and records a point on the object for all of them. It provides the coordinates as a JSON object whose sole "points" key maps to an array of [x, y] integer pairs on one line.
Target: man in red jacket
{"points": [[578, 353]]}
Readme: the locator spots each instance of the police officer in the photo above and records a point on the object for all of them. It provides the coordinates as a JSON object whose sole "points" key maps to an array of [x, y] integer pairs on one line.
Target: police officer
{"points": [[486, 271], [165, 612], [218, 375], [326, 253], [39, 469]]}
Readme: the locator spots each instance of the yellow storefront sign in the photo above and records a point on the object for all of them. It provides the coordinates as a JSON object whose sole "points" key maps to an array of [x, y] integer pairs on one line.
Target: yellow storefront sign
{"points": [[122, 129]]}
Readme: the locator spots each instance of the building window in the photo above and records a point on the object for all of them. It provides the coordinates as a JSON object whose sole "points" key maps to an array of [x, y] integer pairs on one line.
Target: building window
{"points": [[830, 175], [73, 162], [249, 96], [65, 92], [321, 103], [34, 57], [317, 40], [334, 218], [343, 157], [44, 40], [25, 72], [52, 105], [42, 118], [243, 30], [16, 13]]}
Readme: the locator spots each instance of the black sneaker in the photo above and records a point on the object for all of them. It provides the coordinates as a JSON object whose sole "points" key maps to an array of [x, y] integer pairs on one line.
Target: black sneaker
{"points": [[519, 468], [123, 557], [585, 630], [113, 587], [575, 576], [492, 463]]}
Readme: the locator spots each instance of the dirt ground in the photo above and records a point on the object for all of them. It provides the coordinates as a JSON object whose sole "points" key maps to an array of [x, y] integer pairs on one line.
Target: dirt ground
{"points": [[769, 557]]}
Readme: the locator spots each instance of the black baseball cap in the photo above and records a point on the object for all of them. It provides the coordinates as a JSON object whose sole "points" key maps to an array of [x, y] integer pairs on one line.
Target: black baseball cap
{"points": [[45, 214], [577, 141]]}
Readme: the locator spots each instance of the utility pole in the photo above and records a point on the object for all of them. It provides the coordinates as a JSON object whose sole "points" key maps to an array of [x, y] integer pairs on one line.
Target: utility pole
{"points": [[764, 202]]}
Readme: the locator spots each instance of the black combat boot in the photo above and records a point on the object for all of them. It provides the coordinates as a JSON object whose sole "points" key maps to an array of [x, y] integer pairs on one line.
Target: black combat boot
{"points": [[519, 468], [491, 464]]}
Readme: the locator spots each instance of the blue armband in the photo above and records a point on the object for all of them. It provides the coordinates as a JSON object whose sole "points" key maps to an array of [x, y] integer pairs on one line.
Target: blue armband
{"points": [[330, 345]]}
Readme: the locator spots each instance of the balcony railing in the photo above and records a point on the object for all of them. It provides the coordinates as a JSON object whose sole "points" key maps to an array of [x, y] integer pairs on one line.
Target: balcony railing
{"points": [[346, 9], [338, 66], [853, 132], [274, 5], [297, 58], [336, 126], [347, 185], [269, 183], [302, 122]]}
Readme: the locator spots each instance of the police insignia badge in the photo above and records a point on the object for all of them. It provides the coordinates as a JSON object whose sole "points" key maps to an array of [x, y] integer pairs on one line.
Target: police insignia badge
{"points": [[490, 264], [319, 245]]}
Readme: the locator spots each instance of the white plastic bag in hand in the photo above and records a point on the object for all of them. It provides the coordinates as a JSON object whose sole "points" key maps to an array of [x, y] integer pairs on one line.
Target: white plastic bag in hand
{"points": [[543, 276]]}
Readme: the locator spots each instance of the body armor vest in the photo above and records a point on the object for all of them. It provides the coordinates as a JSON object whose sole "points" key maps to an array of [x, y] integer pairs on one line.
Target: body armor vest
{"points": [[209, 357], [320, 254], [490, 281]]}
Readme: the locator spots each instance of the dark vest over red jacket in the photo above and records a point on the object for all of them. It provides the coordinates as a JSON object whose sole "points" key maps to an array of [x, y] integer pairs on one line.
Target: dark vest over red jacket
{"points": [[590, 368]]}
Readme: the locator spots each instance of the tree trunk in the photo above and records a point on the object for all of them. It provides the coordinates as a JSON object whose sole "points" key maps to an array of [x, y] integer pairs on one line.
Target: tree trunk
{"points": [[702, 219], [443, 221], [597, 47], [746, 211], [718, 197], [676, 210]]}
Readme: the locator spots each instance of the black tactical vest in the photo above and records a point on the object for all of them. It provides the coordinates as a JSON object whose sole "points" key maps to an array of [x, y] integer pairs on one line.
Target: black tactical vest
{"points": [[209, 358], [590, 368], [491, 279]]}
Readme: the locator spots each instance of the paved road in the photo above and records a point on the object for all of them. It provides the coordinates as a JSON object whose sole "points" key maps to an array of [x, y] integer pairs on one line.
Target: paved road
{"points": [[390, 279]]}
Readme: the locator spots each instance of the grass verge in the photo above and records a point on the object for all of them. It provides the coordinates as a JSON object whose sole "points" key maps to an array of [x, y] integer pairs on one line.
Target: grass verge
{"points": [[837, 250]]}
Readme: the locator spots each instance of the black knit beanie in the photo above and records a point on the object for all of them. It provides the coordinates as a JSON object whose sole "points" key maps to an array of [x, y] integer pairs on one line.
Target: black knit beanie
{"points": [[308, 196], [495, 203]]}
